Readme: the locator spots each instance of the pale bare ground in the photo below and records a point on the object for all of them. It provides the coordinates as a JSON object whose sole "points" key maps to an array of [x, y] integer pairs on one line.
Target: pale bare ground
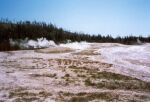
{"points": [[55, 50], [71, 76]]}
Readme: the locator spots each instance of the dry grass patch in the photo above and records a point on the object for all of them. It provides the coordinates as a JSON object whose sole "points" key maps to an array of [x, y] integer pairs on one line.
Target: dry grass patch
{"points": [[44, 75], [94, 96], [102, 96], [68, 79], [87, 97], [116, 81], [22, 95]]}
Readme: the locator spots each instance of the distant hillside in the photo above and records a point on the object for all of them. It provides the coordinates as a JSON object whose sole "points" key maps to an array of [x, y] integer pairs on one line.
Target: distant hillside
{"points": [[34, 30]]}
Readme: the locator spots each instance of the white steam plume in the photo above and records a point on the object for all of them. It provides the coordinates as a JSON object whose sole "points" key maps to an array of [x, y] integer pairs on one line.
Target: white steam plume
{"points": [[26, 43]]}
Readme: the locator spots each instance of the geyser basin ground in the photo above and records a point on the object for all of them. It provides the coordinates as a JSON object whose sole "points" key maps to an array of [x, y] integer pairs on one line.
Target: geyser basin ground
{"points": [[99, 72]]}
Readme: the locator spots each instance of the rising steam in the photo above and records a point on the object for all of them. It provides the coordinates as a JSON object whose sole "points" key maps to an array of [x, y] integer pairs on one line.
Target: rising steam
{"points": [[27, 44]]}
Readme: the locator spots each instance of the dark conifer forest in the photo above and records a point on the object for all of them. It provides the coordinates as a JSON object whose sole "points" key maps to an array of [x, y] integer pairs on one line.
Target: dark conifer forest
{"points": [[34, 30]]}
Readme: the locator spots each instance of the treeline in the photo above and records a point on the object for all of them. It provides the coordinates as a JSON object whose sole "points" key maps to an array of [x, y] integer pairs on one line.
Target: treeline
{"points": [[34, 30]]}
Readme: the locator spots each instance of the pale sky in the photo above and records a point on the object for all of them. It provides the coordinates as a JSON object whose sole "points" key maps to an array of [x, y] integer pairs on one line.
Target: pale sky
{"points": [[114, 17]]}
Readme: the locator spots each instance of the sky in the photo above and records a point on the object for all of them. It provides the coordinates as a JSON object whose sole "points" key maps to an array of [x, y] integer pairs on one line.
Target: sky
{"points": [[113, 17]]}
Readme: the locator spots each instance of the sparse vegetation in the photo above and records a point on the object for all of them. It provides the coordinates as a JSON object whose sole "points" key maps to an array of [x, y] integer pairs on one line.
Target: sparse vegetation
{"points": [[45, 94], [44, 75], [20, 95], [99, 96], [26, 99], [116, 81], [110, 75], [67, 75], [81, 75]]}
